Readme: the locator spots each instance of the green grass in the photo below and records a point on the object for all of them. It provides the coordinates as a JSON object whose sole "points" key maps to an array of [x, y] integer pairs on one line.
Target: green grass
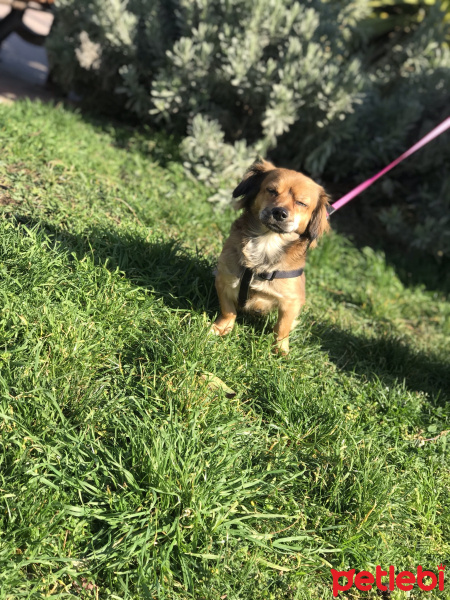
{"points": [[125, 470]]}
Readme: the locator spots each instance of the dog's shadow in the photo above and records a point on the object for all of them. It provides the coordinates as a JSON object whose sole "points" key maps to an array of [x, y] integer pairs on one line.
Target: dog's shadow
{"points": [[181, 277], [184, 279]]}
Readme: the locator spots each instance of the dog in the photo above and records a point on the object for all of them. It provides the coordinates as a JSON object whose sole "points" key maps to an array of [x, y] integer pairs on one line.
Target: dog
{"points": [[262, 261]]}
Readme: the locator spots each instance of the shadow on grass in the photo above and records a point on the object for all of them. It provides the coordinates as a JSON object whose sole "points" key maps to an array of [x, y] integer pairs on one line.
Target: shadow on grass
{"points": [[128, 133], [388, 359], [360, 223], [158, 146], [184, 280]]}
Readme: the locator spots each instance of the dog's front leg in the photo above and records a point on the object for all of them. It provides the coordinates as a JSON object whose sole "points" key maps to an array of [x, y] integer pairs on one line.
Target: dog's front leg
{"points": [[287, 313], [225, 322]]}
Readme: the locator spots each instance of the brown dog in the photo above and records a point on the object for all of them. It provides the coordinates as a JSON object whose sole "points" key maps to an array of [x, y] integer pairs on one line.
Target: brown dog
{"points": [[262, 261]]}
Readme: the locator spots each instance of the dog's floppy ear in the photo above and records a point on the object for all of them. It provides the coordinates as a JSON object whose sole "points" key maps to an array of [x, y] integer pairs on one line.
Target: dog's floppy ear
{"points": [[318, 224], [249, 186]]}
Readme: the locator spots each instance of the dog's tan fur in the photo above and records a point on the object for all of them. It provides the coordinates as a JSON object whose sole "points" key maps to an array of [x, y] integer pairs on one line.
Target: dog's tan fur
{"points": [[256, 243]]}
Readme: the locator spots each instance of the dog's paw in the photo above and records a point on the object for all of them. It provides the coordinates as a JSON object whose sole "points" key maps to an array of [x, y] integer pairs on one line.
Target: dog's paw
{"points": [[221, 329], [281, 347], [214, 330]]}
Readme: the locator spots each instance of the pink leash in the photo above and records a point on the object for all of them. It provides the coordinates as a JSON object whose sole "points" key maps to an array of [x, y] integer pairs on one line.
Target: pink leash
{"points": [[363, 186]]}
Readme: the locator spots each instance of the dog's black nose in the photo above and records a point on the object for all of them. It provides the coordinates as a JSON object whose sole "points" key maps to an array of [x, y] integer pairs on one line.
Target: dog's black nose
{"points": [[279, 214]]}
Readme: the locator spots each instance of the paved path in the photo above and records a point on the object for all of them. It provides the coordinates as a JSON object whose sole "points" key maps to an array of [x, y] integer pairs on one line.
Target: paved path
{"points": [[24, 67]]}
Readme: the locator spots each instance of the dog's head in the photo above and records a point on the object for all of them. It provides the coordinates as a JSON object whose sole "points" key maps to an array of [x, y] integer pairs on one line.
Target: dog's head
{"points": [[284, 201]]}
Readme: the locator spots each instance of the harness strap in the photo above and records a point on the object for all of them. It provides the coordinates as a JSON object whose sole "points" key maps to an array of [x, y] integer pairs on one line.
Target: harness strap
{"points": [[248, 276]]}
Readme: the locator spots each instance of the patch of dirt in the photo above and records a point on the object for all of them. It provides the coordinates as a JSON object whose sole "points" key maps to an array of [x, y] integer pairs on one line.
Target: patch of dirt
{"points": [[5, 198]]}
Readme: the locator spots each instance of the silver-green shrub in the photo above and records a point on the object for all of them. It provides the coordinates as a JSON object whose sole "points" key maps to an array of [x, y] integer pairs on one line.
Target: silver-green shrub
{"points": [[310, 84]]}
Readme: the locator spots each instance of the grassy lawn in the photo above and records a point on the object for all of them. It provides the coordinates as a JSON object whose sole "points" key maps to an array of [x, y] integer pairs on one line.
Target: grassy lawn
{"points": [[126, 469]]}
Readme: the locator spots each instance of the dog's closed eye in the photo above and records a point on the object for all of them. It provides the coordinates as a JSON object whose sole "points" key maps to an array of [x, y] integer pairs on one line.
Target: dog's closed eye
{"points": [[300, 203], [272, 191]]}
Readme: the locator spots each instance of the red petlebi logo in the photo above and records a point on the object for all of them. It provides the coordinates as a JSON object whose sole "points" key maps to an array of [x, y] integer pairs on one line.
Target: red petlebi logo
{"points": [[404, 581]]}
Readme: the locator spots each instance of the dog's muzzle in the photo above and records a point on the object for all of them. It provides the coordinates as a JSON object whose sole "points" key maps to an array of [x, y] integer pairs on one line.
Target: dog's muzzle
{"points": [[276, 219]]}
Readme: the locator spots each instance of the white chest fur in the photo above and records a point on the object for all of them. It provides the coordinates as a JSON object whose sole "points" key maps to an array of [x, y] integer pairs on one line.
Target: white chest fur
{"points": [[264, 252]]}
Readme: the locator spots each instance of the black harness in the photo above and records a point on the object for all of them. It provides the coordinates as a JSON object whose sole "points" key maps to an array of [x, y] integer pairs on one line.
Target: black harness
{"points": [[249, 274]]}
